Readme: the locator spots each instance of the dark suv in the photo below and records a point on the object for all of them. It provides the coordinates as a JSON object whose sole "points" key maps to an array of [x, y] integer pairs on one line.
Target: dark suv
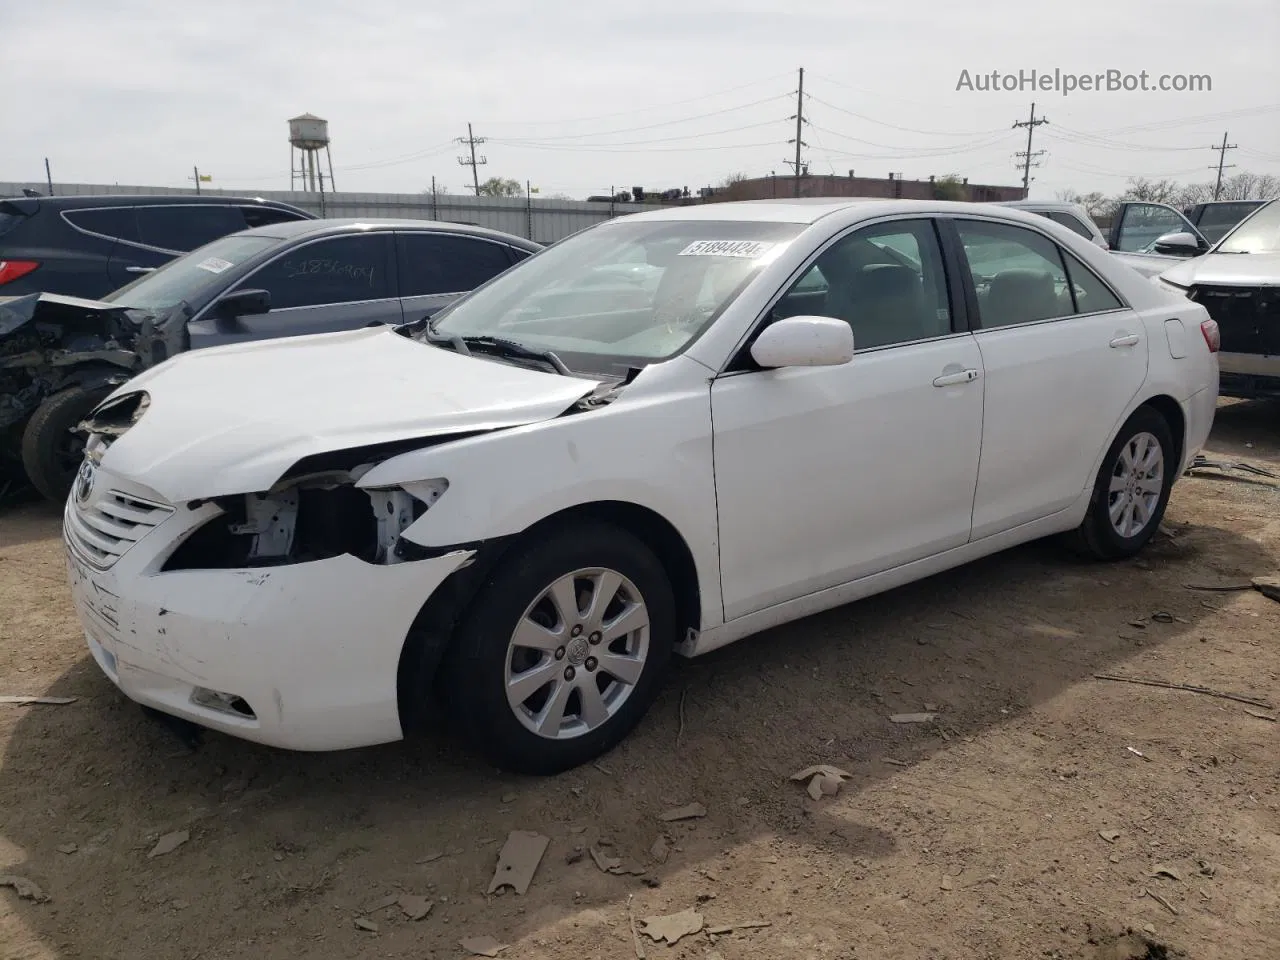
{"points": [[89, 246]]}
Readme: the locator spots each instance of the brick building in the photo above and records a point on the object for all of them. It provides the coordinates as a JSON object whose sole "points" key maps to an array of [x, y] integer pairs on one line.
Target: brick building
{"points": [[810, 185]]}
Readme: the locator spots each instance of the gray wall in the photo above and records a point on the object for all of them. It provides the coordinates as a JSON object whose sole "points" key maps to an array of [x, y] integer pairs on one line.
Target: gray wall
{"points": [[541, 220]]}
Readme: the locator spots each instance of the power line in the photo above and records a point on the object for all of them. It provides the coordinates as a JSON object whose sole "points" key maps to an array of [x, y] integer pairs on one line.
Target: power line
{"points": [[650, 126], [1222, 156], [634, 143], [892, 126], [471, 140], [1026, 155]]}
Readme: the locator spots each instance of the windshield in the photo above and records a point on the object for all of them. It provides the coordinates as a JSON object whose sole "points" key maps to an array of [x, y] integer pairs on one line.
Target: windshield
{"points": [[1218, 218], [185, 277], [623, 294], [1259, 234]]}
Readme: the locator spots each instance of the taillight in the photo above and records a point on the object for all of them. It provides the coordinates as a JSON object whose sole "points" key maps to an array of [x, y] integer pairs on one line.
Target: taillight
{"points": [[11, 270], [1212, 336]]}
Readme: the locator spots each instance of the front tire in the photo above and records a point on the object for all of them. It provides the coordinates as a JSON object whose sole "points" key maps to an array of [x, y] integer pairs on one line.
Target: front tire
{"points": [[562, 652], [1131, 491], [51, 453]]}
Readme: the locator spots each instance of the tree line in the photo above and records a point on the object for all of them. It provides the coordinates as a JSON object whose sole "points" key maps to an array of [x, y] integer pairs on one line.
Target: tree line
{"points": [[1242, 186]]}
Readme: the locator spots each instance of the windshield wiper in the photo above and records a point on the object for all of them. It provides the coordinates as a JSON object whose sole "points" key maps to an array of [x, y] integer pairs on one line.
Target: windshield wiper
{"points": [[453, 340], [510, 348]]}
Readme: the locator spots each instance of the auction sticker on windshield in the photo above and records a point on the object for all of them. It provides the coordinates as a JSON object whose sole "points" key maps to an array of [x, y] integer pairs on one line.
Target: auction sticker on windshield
{"points": [[742, 249], [215, 264]]}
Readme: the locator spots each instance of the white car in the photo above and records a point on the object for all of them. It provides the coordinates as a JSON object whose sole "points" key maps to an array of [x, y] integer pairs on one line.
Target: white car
{"points": [[525, 508]]}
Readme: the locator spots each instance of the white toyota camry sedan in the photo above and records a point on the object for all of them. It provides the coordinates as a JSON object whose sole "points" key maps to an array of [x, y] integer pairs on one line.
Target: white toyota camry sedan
{"points": [[660, 435]]}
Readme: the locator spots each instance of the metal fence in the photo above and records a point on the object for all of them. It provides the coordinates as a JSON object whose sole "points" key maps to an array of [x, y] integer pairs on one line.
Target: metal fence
{"points": [[542, 220]]}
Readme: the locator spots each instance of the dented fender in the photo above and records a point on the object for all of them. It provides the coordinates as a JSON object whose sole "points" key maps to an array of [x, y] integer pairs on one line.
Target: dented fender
{"points": [[636, 450]]}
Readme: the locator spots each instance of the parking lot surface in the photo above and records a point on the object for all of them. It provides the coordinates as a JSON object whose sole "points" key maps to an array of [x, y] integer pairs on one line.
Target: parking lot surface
{"points": [[1042, 813]]}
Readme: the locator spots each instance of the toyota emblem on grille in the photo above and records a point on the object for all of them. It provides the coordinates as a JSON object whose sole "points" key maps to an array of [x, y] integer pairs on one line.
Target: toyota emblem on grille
{"points": [[84, 480]]}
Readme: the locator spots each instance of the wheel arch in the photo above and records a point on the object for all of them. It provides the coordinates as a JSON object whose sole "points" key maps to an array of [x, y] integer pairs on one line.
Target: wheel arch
{"points": [[432, 631], [1171, 411]]}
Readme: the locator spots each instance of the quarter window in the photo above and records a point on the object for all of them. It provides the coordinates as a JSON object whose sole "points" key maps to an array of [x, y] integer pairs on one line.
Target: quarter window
{"points": [[1017, 273], [339, 270], [433, 263], [186, 227], [886, 281], [115, 222], [264, 216], [1092, 295]]}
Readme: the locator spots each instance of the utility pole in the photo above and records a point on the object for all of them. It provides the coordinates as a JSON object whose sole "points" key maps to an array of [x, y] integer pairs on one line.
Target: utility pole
{"points": [[1222, 156], [797, 165], [195, 175], [474, 162], [48, 177], [1026, 155], [528, 209], [322, 193], [435, 211]]}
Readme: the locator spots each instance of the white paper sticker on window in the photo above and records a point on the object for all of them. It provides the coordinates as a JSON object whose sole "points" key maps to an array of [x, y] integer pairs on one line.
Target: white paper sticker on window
{"points": [[742, 249], [215, 264]]}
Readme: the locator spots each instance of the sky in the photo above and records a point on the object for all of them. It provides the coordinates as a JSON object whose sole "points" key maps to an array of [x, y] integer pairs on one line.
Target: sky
{"points": [[576, 98]]}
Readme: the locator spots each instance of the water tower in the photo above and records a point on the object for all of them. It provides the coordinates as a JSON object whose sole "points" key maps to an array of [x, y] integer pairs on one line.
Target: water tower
{"points": [[308, 135]]}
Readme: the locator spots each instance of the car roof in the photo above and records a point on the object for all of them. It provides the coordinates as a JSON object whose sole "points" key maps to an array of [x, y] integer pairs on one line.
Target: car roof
{"points": [[806, 210], [144, 200], [294, 229], [1041, 205]]}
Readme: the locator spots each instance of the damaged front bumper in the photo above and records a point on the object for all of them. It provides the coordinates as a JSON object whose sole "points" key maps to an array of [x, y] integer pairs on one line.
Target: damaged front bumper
{"points": [[299, 655]]}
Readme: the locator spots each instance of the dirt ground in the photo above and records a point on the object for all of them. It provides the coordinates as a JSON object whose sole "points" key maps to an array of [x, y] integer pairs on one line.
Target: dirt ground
{"points": [[1044, 813]]}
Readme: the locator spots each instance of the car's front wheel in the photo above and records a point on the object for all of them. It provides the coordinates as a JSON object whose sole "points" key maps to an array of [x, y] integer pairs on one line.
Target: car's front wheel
{"points": [[51, 452], [1131, 490], [562, 651]]}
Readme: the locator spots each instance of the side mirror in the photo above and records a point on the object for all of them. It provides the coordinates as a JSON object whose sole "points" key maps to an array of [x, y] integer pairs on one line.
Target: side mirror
{"points": [[804, 342], [243, 303], [1181, 244]]}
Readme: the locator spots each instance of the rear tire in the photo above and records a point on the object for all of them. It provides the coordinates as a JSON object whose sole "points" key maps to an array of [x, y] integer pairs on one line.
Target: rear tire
{"points": [[1131, 490], [51, 453], [536, 691]]}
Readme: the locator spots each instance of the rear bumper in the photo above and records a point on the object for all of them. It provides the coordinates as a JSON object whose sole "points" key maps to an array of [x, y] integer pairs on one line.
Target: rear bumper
{"points": [[1249, 375]]}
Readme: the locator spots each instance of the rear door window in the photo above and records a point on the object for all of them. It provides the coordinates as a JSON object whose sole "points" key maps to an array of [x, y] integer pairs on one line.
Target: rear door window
{"points": [[264, 216], [184, 228], [1071, 223], [432, 263], [337, 270], [118, 223]]}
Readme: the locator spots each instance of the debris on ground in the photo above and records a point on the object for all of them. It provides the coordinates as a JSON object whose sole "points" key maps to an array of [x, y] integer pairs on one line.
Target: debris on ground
{"points": [[1139, 754], [1269, 587], [482, 946], [42, 701], [1163, 902], [824, 780], [1161, 616], [24, 888], [1204, 463], [574, 855], [1225, 586], [690, 811], [415, 908], [606, 863], [1189, 688], [68, 848], [1259, 714], [518, 861], [673, 926], [635, 937], [913, 718], [721, 929], [946, 883], [169, 843], [365, 924], [1165, 870], [660, 850], [1111, 836]]}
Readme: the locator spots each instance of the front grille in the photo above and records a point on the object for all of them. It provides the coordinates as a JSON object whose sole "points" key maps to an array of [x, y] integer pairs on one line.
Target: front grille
{"points": [[1248, 317], [102, 530]]}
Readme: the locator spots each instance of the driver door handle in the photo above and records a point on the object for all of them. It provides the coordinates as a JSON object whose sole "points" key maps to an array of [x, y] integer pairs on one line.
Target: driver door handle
{"points": [[1126, 341], [951, 379]]}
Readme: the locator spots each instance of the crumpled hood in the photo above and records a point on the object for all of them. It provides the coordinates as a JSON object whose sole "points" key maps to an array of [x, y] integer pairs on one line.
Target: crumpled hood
{"points": [[233, 419], [1228, 269]]}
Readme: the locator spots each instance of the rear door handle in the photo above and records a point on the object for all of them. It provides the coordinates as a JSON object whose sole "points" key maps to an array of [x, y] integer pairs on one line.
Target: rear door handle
{"points": [[139, 269], [1126, 341], [951, 379]]}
